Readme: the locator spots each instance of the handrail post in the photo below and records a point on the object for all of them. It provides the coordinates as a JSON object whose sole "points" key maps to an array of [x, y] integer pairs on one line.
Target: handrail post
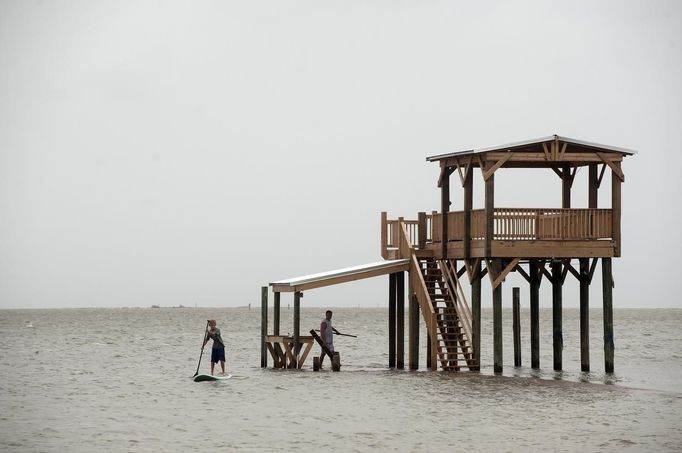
{"points": [[384, 235], [421, 219]]}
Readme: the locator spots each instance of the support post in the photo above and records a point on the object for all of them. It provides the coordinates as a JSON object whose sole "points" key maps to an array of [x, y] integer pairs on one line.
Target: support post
{"points": [[445, 209], [607, 288], [276, 313], [421, 230], [391, 319], [557, 337], [585, 314], [476, 315], [497, 320], [534, 270], [297, 325], [400, 321], [468, 206], [615, 209], [489, 214], [263, 326], [593, 186], [566, 184], [516, 325], [414, 332], [429, 362]]}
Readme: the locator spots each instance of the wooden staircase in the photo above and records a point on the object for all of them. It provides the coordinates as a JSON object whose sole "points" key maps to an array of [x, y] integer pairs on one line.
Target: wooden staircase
{"points": [[453, 335], [443, 305]]}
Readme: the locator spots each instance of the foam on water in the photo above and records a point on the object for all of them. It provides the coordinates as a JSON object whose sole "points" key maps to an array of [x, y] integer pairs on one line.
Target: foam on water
{"points": [[119, 380]]}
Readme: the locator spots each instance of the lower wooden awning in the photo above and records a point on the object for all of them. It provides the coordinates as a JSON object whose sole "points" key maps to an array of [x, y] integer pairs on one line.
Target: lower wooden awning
{"points": [[338, 276]]}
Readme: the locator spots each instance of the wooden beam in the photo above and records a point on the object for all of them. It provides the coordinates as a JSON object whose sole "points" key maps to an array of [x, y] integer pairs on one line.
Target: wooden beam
{"points": [[548, 157], [584, 315], [523, 273], [557, 334], [490, 171], [601, 175], [495, 280], [592, 187], [400, 321], [516, 324], [473, 268], [569, 267], [563, 151], [264, 326], [495, 266], [607, 289], [616, 207], [392, 290], [615, 168], [593, 267], [276, 313], [559, 174], [489, 214], [535, 276], [459, 171]]}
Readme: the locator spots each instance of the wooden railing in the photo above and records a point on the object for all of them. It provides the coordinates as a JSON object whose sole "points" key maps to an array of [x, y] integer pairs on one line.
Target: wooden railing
{"points": [[509, 224], [519, 224], [455, 288]]}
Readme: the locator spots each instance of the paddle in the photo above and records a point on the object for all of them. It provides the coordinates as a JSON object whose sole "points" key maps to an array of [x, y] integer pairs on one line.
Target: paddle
{"points": [[202, 349], [336, 332]]}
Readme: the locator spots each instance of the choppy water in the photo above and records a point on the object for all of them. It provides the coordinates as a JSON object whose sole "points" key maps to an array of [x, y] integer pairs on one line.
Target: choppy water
{"points": [[119, 380]]}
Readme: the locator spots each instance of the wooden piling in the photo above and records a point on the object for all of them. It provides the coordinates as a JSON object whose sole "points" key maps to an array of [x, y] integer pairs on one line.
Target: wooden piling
{"points": [[534, 315], [391, 318], [607, 289], [476, 315], [264, 326], [297, 325], [429, 362], [316, 363], [276, 312], [497, 320], [336, 361], [516, 325], [400, 321], [413, 332], [557, 336], [584, 314]]}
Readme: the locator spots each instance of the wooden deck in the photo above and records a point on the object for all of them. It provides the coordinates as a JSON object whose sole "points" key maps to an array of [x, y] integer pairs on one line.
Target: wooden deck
{"points": [[517, 232]]}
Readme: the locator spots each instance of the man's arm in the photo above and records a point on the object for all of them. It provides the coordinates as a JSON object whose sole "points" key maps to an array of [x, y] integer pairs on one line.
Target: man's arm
{"points": [[335, 331]]}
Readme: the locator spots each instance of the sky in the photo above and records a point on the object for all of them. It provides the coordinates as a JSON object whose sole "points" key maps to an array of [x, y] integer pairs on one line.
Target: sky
{"points": [[188, 153]]}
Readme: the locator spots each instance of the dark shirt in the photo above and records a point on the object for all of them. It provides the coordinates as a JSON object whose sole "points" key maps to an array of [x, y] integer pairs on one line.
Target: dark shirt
{"points": [[217, 339]]}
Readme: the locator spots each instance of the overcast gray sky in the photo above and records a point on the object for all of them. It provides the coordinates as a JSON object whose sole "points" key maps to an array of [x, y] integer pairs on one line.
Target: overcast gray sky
{"points": [[190, 152]]}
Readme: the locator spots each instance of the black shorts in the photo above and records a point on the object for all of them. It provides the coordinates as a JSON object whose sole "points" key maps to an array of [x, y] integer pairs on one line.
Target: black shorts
{"points": [[217, 354]]}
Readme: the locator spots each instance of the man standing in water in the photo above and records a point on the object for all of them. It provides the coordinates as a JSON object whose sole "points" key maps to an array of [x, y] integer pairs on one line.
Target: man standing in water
{"points": [[218, 350], [327, 335]]}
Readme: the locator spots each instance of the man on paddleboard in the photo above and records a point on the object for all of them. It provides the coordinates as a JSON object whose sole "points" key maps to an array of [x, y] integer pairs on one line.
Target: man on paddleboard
{"points": [[218, 351], [327, 335]]}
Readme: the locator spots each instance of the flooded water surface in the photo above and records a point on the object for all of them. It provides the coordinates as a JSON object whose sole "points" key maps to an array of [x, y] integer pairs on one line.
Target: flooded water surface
{"points": [[120, 380]]}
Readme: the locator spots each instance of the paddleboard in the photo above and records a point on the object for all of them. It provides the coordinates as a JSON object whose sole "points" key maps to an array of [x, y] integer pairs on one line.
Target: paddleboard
{"points": [[210, 377]]}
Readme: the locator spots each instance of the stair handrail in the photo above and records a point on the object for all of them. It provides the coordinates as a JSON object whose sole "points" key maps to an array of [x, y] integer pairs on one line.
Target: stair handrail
{"points": [[419, 287], [455, 287]]}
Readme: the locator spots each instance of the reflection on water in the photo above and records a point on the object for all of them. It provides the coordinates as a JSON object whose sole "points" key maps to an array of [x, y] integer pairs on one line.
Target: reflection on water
{"points": [[119, 380]]}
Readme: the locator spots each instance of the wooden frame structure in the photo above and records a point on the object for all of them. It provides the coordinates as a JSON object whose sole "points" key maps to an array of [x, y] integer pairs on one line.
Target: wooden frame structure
{"points": [[291, 351], [505, 240]]}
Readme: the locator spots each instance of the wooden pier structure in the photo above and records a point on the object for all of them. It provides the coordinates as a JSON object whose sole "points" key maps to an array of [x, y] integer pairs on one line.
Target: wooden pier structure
{"points": [[440, 248]]}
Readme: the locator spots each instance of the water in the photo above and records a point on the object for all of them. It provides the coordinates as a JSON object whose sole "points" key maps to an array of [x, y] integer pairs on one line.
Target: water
{"points": [[119, 380]]}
